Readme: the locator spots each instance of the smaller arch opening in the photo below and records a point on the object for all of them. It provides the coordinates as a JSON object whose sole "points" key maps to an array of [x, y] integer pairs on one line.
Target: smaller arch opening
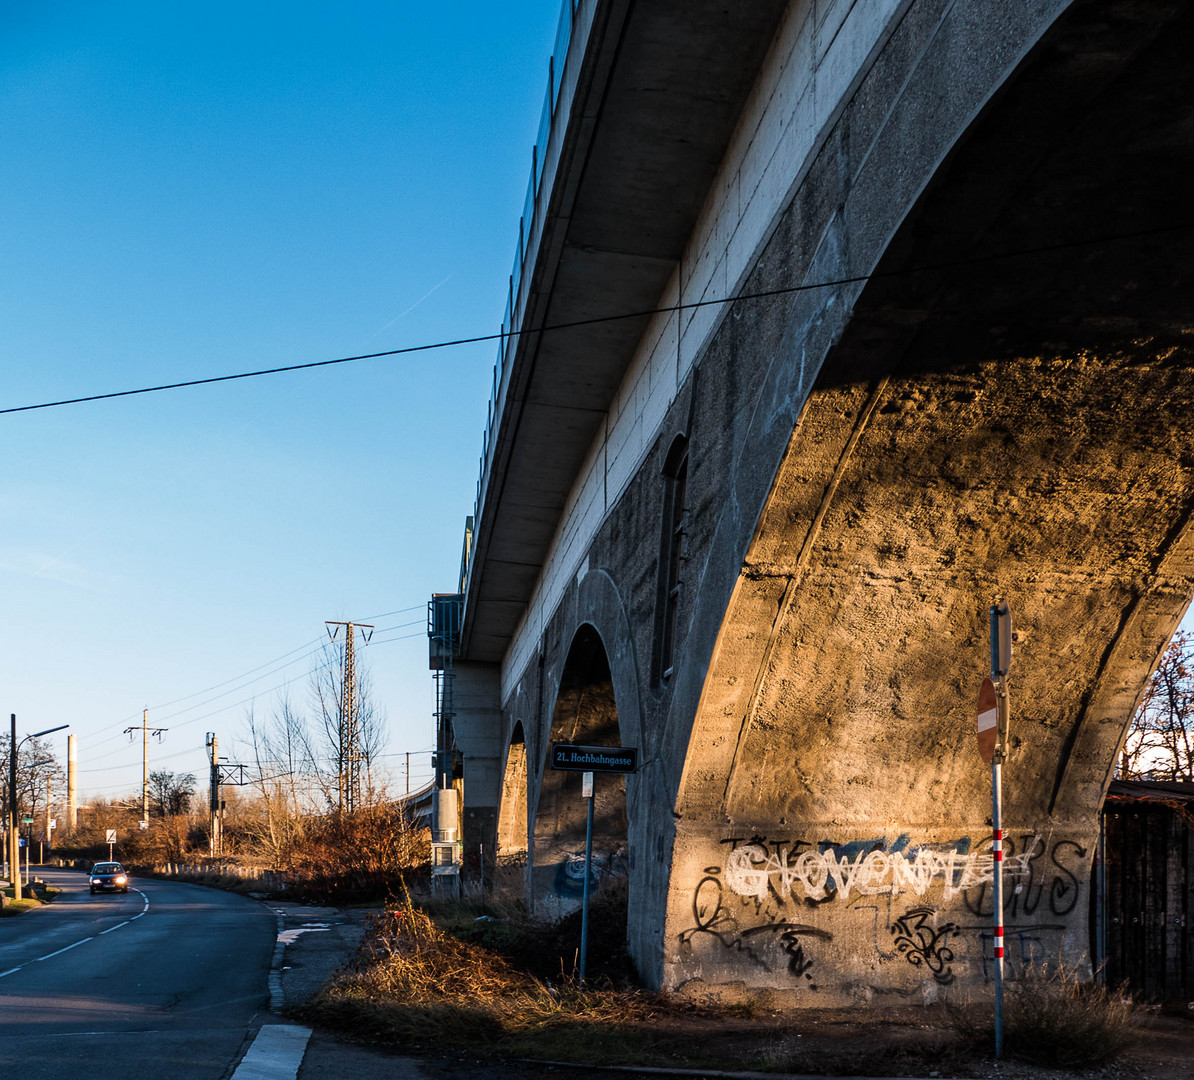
{"points": [[585, 713], [512, 815]]}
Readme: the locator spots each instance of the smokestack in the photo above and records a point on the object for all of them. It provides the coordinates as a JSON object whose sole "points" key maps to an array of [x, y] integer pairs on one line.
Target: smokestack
{"points": [[72, 809]]}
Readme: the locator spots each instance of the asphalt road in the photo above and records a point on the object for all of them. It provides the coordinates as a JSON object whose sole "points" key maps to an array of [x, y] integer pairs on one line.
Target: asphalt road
{"points": [[168, 981]]}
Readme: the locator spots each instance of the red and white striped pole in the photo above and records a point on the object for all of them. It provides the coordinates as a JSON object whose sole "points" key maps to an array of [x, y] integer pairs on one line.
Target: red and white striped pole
{"points": [[997, 894], [1001, 653]]}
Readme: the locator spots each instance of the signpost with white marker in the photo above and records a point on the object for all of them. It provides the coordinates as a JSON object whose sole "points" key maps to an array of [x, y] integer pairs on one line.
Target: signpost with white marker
{"points": [[992, 746], [589, 760]]}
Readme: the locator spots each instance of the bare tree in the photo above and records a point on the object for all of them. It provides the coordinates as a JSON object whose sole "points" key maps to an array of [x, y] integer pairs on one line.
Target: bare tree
{"points": [[170, 793], [1160, 742], [36, 764]]}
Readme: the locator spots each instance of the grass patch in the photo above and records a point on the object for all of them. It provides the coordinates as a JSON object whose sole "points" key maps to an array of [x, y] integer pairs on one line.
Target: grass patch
{"points": [[459, 979], [19, 907]]}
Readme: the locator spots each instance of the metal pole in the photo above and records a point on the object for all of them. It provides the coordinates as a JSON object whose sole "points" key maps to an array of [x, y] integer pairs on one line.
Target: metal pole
{"points": [[587, 788], [997, 850], [1000, 661], [1101, 902], [145, 765], [14, 840], [214, 800]]}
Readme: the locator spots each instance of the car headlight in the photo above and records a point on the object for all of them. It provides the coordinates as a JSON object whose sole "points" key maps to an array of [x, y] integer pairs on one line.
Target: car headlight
{"points": [[121, 880], [96, 881]]}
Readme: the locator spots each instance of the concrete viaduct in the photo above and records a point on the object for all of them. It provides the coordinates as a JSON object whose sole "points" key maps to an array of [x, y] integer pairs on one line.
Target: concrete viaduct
{"points": [[832, 320]]}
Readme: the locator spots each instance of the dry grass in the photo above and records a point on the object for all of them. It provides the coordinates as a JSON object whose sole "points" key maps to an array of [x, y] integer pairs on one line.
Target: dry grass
{"points": [[417, 984], [1053, 1017]]}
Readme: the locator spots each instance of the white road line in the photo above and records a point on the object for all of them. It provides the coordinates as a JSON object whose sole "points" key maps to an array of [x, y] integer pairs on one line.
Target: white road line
{"points": [[39, 959], [61, 951], [276, 1053]]}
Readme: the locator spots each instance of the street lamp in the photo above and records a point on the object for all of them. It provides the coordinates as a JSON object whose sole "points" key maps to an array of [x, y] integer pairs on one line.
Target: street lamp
{"points": [[14, 863]]}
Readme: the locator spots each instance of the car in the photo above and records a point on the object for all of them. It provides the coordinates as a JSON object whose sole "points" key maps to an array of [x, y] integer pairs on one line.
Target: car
{"points": [[108, 877]]}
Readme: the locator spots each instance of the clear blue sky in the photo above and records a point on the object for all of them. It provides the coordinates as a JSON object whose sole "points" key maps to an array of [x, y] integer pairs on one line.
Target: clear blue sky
{"points": [[194, 190]]}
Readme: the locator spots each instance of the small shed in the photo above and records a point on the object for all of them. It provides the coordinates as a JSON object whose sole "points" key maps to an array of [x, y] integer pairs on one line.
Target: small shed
{"points": [[1144, 894]]}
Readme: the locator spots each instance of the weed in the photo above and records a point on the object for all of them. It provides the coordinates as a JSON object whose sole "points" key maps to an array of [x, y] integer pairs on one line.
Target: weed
{"points": [[1053, 1017]]}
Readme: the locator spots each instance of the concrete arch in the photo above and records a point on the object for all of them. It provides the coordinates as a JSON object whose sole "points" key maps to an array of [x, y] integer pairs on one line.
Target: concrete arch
{"points": [[1006, 423], [586, 712]]}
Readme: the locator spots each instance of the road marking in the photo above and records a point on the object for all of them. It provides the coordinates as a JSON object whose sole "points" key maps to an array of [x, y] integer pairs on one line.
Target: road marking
{"points": [[61, 951], [288, 937], [39, 959], [276, 1053]]}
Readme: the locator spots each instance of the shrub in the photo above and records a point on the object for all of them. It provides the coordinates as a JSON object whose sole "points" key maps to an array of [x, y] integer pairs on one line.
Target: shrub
{"points": [[1055, 1018]]}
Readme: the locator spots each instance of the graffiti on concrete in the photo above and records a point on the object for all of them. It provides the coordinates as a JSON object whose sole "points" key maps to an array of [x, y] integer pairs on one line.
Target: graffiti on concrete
{"points": [[775, 941], [570, 871], [825, 872], [1025, 945], [1026, 883], [925, 944], [748, 904], [801, 870]]}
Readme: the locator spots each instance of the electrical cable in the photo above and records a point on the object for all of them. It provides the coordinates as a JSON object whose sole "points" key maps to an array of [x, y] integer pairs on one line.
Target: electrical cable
{"points": [[852, 279]]}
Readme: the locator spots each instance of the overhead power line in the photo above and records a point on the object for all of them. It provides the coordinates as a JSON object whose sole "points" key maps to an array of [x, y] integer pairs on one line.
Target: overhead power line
{"points": [[852, 279]]}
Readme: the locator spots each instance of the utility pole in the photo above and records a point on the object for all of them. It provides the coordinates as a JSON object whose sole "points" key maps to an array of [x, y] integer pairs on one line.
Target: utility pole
{"points": [[14, 848], [214, 830], [349, 742], [13, 750], [46, 843], [146, 731]]}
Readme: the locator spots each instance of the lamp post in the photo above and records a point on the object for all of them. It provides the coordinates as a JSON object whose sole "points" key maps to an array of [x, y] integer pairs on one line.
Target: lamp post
{"points": [[15, 847]]}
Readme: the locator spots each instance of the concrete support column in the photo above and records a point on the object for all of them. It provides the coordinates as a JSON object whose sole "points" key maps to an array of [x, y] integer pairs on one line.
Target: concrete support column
{"points": [[478, 731]]}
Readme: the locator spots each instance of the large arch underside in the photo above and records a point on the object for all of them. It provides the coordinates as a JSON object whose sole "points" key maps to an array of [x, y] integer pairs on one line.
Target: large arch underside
{"points": [[1010, 410]]}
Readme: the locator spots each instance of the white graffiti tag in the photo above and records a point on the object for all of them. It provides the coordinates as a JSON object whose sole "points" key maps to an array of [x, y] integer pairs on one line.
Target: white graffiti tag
{"points": [[752, 869]]}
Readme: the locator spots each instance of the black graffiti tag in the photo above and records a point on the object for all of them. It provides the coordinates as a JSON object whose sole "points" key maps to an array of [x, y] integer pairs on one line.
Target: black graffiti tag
{"points": [[924, 944]]}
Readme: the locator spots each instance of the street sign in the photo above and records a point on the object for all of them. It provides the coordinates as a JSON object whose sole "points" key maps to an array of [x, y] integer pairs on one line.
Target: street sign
{"points": [[606, 759], [1001, 638], [988, 721], [26, 821], [111, 837], [53, 824]]}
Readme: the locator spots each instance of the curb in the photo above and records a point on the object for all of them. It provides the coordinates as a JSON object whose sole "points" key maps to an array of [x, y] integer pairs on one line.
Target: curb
{"points": [[277, 1000]]}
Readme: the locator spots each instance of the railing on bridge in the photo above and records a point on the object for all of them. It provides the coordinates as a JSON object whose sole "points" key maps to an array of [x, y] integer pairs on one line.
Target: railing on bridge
{"points": [[557, 67]]}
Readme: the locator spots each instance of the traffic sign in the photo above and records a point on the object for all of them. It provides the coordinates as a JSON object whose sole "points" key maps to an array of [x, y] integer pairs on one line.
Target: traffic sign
{"points": [[26, 821], [988, 721], [1001, 638], [607, 759], [111, 837]]}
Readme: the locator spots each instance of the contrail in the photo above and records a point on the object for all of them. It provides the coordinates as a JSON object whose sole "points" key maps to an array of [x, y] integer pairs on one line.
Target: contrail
{"points": [[408, 310]]}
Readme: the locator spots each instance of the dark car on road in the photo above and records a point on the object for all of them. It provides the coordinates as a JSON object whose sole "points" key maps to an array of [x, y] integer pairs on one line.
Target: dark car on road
{"points": [[108, 877]]}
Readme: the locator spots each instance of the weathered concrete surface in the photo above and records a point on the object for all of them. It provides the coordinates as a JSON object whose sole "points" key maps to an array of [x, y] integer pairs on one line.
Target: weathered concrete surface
{"points": [[1020, 425], [1007, 406]]}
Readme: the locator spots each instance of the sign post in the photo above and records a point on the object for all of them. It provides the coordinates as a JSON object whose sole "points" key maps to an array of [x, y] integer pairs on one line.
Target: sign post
{"points": [[992, 746], [111, 841], [590, 760]]}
